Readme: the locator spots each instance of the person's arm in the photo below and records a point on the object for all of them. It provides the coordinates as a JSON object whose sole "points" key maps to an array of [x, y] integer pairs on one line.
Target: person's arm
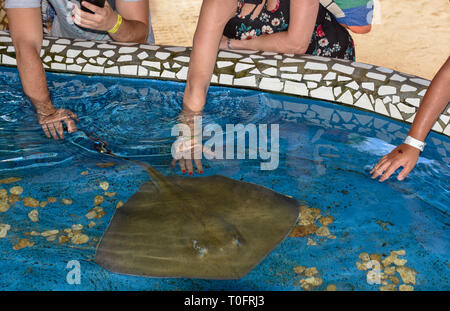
{"points": [[302, 20], [214, 15], [434, 102], [134, 27], [26, 31]]}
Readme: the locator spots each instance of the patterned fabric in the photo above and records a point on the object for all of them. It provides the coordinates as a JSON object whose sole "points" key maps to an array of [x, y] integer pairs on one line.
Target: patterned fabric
{"points": [[356, 15], [329, 38], [3, 19]]}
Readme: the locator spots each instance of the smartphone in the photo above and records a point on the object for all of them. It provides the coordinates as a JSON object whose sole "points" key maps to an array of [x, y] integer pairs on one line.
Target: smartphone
{"points": [[100, 3]]}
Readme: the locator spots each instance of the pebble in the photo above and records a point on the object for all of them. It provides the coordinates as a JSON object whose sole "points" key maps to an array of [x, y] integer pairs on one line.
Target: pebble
{"points": [[405, 288], [98, 200], [323, 231], [43, 204], [4, 206], [309, 283], [100, 211], [3, 193], [67, 201], [10, 180], [63, 239], [299, 269], [77, 227], [4, 228], [110, 194], [400, 262], [325, 221], [311, 271], [80, 238], [22, 244], [34, 215], [14, 198], [91, 214], [408, 275], [311, 242], [331, 288], [51, 238], [91, 224], [388, 287], [84, 173], [49, 232], [52, 200], [104, 185], [119, 204], [16, 190], [30, 202]]}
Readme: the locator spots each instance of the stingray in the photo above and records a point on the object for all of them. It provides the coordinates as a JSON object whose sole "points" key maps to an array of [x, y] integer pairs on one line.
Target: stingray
{"points": [[209, 227]]}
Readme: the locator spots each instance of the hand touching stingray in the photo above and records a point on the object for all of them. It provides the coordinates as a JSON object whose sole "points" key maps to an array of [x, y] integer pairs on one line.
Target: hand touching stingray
{"points": [[188, 145]]}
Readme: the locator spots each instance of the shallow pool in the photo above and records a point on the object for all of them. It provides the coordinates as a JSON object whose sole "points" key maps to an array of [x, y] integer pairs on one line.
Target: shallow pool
{"points": [[326, 153]]}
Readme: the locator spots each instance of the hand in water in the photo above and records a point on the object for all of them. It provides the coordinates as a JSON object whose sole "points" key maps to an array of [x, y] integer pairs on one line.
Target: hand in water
{"points": [[52, 123], [404, 155], [188, 145]]}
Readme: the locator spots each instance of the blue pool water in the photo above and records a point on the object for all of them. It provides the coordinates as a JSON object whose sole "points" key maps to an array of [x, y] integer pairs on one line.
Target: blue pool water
{"points": [[326, 153]]}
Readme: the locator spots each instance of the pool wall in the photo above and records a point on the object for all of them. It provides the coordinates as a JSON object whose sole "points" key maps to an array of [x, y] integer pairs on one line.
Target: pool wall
{"points": [[362, 86]]}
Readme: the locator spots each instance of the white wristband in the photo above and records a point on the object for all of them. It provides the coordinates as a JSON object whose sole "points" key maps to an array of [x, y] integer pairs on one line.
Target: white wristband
{"points": [[414, 143]]}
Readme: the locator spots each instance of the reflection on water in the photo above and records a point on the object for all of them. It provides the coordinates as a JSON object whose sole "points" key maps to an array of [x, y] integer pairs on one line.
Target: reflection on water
{"points": [[326, 153]]}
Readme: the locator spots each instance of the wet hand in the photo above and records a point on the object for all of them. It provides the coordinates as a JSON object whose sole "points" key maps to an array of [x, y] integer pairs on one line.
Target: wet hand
{"points": [[52, 123], [404, 156], [188, 146], [103, 19]]}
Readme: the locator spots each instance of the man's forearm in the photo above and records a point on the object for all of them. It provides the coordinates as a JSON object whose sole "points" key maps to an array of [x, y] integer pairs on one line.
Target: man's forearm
{"points": [[32, 76], [131, 31]]}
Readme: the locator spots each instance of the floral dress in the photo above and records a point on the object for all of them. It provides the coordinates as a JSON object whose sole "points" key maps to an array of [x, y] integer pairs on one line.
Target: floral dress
{"points": [[329, 38]]}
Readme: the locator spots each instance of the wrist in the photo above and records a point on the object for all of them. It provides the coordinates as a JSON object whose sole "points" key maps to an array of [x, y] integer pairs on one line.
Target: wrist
{"points": [[415, 143], [114, 23], [44, 108]]}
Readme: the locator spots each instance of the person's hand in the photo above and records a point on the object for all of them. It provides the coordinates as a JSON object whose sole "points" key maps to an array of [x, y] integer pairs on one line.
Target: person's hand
{"points": [[404, 156], [188, 146], [103, 19], [223, 43], [52, 123]]}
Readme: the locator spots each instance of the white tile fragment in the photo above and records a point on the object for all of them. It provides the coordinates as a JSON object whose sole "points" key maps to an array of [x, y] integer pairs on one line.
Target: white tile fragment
{"points": [[295, 88], [316, 66], [323, 92], [272, 84], [249, 81], [344, 69]]}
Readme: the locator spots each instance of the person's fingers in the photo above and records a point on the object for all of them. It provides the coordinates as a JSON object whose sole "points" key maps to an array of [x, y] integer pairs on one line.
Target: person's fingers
{"points": [[378, 165], [59, 129], [405, 172], [381, 169], [45, 129], [190, 166], [390, 170], [198, 164], [182, 166], [82, 22], [52, 130], [73, 115], [71, 127], [91, 7]]}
